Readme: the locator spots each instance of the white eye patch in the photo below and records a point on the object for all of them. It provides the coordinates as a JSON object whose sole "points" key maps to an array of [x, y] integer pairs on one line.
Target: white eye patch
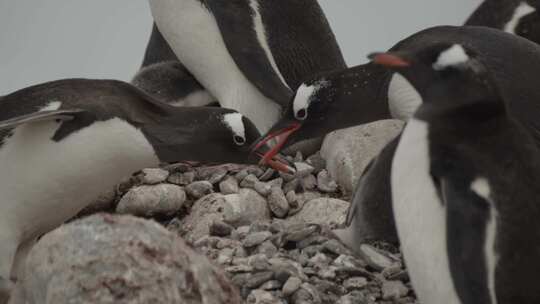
{"points": [[235, 123], [455, 55], [304, 95], [521, 11]]}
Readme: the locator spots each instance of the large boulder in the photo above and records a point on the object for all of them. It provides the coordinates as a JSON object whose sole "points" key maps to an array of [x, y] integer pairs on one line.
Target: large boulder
{"points": [[120, 259], [347, 152]]}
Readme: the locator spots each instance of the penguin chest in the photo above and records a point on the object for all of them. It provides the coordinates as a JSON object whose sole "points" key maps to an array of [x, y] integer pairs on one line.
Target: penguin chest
{"points": [[45, 182], [194, 35], [421, 218], [403, 98]]}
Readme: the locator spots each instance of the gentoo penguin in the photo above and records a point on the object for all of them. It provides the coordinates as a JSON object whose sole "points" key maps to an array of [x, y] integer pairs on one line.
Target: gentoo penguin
{"points": [[165, 78], [249, 53], [370, 216], [464, 181], [64, 143], [358, 95], [518, 17]]}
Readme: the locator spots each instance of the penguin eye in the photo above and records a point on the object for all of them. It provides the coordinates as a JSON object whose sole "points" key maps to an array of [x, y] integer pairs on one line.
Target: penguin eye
{"points": [[301, 114], [239, 140]]}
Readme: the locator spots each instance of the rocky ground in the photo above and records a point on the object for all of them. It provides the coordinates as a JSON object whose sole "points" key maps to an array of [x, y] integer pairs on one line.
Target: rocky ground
{"points": [[268, 235]]}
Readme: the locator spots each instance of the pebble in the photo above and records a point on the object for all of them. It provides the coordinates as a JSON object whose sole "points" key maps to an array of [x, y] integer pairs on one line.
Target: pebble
{"points": [[291, 286], [229, 186], [259, 262], [263, 189], [355, 283], [267, 248], [297, 233], [278, 182], [162, 199], [271, 285], [374, 258], [336, 247], [217, 176], [317, 161], [325, 182], [154, 176], [199, 189], [249, 182], [393, 290], [291, 185], [308, 183], [256, 238], [267, 175], [241, 175], [182, 179], [262, 297], [259, 278], [291, 197], [219, 228], [303, 169], [277, 202]]}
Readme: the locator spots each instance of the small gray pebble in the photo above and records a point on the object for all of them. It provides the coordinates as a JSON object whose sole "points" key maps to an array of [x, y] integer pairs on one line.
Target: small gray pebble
{"points": [[374, 258], [291, 197], [291, 186], [229, 186], [287, 177], [256, 238], [218, 176], [325, 182], [278, 202], [241, 175], [308, 183], [259, 278], [303, 169], [298, 157], [317, 162], [291, 286], [182, 179], [278, 182], [271, 285], [336, 247], [355, 283], [249, 181], [262, 188], [267, 248], [152, 176], [199, 189], [219, 228], [267, 175], [393, 290]]}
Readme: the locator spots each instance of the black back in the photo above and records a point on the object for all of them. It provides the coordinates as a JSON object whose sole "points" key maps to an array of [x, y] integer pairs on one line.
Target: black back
{"points": [[157, 50]]}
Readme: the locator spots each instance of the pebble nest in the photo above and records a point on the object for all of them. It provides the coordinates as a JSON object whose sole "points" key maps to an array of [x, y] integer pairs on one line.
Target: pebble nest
{"points": [[275, 260]]}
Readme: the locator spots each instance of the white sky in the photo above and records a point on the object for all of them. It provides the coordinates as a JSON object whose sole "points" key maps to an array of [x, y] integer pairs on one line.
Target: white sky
{"points": [[48, 40]]}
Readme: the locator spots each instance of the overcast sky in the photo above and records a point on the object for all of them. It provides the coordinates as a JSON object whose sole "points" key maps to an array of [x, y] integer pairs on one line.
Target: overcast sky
{"points": [[47, 40]]}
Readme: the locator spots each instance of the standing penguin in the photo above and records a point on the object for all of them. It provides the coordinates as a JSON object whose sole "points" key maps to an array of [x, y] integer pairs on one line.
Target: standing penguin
{"points": [[464, 182], [248, 53], [64, 143], [518, 17]]}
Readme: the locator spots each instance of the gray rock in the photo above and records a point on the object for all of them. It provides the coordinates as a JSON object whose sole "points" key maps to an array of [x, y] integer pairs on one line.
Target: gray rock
{"points": [[355, 297], [278, 182], [278, 202], [267, 248], [327, 211], [241, 175], [245, 208], [291, 185], [291, 197], [291, 286], [308, 183], [262, 297], [258, 262], [299, 232], [346, 158], [271, 285], [317, 162], [121, 259], [199, 189], [229, 186], [256, 238], [393, 290], [267, 175], [303, 169], [307, 294], [249, 182], [219, 228], [152, 176], [335, 247], [162, 199], [355, 283], [375, 258], [203, 213], [105, 202], [182, 179], [217, 176], [259, 278], [263, 189], [298, 157], [325, 182]]}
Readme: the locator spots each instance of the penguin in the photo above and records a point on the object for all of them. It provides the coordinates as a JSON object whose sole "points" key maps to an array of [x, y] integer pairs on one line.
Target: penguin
{"points": [[464, 180], [370, 216], [165, 78], [63, 143], [518, 17], [249, 53], [358, 95]]}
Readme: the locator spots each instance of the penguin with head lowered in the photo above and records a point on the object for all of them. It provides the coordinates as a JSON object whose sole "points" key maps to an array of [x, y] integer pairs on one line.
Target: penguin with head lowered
{"points": [[249, 53], [64, 143], [464, 182]]}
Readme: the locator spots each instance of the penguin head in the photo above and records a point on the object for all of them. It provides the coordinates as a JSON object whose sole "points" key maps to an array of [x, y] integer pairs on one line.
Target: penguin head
{"points": [[528, 26], [210, 135], [446, 76]]}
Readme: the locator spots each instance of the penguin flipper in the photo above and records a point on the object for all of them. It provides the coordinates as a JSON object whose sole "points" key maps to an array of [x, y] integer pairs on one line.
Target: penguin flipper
{"points": [[63, 115], [468, 214]]}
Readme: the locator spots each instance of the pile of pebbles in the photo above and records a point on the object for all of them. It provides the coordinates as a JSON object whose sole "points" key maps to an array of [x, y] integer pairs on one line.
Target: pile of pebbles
{"points": [[250, 222]]}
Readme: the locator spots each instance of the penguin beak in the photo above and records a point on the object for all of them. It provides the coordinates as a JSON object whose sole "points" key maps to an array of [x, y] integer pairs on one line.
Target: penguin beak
{"points": [[278, 164], [281, 132], [390, 60]]}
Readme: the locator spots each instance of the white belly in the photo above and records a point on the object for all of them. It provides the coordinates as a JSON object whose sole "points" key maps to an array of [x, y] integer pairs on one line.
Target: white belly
{"points": [[43, 183], [420, 218], [194, 36]]}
